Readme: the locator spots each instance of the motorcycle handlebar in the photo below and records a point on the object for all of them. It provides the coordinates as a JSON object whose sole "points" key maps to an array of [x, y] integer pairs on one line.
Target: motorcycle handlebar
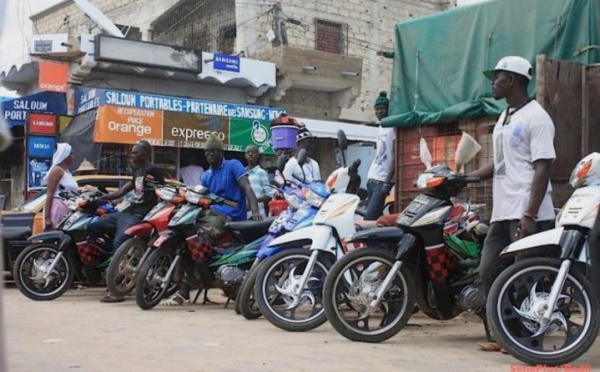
{"points": [[472, 179], [354, 167]]}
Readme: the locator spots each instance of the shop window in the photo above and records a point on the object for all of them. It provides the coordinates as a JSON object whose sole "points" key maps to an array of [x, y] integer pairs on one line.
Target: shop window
{"points": [[328, 36], [114, 160], [227, 37]]}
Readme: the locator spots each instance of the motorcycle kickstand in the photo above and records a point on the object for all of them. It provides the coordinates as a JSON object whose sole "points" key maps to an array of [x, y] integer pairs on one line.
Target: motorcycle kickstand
{"points": [[205, 300]]}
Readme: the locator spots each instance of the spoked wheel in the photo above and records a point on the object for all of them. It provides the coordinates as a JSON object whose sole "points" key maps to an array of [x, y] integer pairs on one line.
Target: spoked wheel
{"points": [[124, 266], [246, 301], [351, 287], [152, 284], [516, 303], [276, 290], [32, 265]]}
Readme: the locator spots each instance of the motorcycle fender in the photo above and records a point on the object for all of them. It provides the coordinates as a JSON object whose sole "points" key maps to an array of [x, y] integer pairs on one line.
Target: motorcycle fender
{"points": [[544, 238], [48, 236], [387, 234], [141, 229], [167, 237], [317, 237]]}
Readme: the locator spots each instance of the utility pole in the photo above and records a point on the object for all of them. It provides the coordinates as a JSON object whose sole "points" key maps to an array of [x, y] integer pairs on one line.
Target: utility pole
{"points": [[279, 20]]}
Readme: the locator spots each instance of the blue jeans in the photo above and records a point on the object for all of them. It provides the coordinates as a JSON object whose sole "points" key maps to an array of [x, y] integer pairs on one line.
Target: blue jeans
{"points": [[114, 223], [375, 199]]}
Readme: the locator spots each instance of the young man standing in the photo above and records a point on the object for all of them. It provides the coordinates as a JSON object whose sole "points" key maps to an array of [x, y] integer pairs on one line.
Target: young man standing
{"points": [[229, 180], [523, 144], [381, 172], [145, 175], [259, 180]]}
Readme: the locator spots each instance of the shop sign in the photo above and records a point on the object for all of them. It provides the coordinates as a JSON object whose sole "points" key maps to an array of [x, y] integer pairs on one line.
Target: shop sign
{"points": [[226, 62], [53, 77], [127, 125], [250, 132], [37, 168], [15, 111], [192, 131], [40, 147], [42, 124], [90, 98], [63, 123]]}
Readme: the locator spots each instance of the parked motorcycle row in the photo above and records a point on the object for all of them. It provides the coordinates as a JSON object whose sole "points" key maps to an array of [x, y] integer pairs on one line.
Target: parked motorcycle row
{"points": [[317, 262]]}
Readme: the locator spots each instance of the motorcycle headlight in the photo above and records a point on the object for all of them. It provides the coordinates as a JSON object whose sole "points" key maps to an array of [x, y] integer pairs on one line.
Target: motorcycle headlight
{"points": [[72, 204], [293, 200], [192, 197], [314, 199], [429, 181]]}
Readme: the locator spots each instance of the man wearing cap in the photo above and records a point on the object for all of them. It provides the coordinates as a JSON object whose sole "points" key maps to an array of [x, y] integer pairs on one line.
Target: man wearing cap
{"points": [[310, 170], [229, 180], [523, 150], [381, 172]]}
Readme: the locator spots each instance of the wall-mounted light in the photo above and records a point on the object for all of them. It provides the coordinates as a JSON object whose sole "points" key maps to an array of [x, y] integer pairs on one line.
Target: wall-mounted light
{"points": [[348, 74], [309, 68]]}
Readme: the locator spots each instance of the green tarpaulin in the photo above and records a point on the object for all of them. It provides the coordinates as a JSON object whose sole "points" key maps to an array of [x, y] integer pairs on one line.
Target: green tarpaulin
{"points": [[439, 59]]}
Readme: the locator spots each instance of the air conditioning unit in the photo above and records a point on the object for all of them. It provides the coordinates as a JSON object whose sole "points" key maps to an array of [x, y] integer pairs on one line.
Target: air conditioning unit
{"points": [[49, 43]]}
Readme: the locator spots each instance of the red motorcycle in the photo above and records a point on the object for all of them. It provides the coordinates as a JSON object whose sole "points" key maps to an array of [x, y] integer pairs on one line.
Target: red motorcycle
{"points": [[125, 263]]}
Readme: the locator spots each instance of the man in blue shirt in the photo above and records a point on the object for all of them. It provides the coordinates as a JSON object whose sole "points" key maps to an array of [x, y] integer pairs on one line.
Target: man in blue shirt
{"points": [[229, 180]]}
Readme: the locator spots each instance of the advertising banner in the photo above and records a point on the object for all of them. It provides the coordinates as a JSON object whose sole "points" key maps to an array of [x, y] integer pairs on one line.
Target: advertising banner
{"points": [[42, 124], [15, 110], [128, 125], [246, 132], [40, 147], [53, 77], [192, 131], [37, 168]]}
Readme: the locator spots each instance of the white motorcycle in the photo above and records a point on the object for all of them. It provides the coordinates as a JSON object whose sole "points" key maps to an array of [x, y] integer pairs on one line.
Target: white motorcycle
{"points": [[544, 310], [289, 285]]}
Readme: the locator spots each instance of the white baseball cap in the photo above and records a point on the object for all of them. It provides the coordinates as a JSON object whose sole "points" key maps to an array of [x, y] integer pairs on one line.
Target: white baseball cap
{"points": [[518, 65]]}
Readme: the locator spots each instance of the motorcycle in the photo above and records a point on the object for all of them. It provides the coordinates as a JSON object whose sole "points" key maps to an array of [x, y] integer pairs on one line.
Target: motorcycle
{"points": [[544, 310], [180, 247], [125, 263], [369, 294], [288, 285], [46, 268], [299, 215]]}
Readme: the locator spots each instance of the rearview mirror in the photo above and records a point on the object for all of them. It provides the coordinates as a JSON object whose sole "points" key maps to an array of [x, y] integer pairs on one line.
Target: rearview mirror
{"points": [[466, 150], [301, 157], [281, 161], [342, 140]]}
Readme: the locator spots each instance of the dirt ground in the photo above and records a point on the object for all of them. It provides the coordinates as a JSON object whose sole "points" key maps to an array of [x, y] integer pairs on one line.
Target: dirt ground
{"points": [[78, 333]]}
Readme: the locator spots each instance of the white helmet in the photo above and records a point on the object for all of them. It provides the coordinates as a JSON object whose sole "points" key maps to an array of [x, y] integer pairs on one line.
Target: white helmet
{"points": [[586, 172]]}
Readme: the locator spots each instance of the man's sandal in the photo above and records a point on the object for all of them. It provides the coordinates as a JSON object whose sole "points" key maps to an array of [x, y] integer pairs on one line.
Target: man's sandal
{"points": [[176, 300]]}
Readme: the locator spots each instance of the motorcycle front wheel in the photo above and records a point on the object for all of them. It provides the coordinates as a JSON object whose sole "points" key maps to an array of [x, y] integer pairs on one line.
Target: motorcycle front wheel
{"points": [[150, 287], [33, 264], [515, 304], [124, 265], [277, 280], [350, 288]]}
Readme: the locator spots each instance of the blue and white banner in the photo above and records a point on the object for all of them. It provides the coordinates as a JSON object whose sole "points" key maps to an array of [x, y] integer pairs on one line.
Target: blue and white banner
{"points": [[37, 168], [226, 62], [14, 111], [89, 98], [40, 147]]}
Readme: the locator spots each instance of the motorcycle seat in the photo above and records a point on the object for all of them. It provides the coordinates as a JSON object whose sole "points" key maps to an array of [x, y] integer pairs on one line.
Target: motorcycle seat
{"points": [[365, 225], [16, 233], [243, 226]]}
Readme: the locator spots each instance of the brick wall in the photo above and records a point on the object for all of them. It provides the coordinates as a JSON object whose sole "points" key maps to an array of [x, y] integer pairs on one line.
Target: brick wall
{"points": [[370, 27]]}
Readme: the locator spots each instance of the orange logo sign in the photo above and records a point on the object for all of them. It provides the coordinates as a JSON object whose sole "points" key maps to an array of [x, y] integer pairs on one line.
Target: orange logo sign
{"points": [[53, 77], [116, 124]]}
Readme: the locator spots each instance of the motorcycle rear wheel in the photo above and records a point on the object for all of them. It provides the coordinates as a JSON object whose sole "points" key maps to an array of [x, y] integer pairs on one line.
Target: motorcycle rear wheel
{"points": [[125, 264], [347, 306], [148, 289], [520, 289], [24, 268], [280, 313]]}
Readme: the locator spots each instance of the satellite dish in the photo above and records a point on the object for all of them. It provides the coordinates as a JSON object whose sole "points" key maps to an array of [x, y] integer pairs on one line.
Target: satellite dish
{"points": [[99, 18]]}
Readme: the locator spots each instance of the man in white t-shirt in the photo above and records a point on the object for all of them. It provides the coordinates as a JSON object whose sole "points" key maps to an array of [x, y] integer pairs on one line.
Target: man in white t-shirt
{"points": [[310, 171], [523, 143], [381, 172]]}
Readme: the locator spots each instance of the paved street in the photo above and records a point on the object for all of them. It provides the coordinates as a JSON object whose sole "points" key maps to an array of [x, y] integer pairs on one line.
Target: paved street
{"points": [[78, 333]]}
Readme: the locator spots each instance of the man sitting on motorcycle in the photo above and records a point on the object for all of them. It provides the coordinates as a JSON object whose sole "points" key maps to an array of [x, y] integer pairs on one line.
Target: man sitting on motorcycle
{"points": [[115, 224], [229, 180]]}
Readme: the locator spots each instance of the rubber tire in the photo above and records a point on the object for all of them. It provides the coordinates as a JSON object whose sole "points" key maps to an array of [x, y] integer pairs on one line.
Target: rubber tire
{"points": [[323, 259], [36, 297], [246, 292], [111, 272], [515, 351], [338, 269], [141, 279]]}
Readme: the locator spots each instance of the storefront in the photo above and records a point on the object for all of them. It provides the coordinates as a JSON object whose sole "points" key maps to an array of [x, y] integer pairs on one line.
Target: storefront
{"points": [[109, 122], [34, 120]]}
